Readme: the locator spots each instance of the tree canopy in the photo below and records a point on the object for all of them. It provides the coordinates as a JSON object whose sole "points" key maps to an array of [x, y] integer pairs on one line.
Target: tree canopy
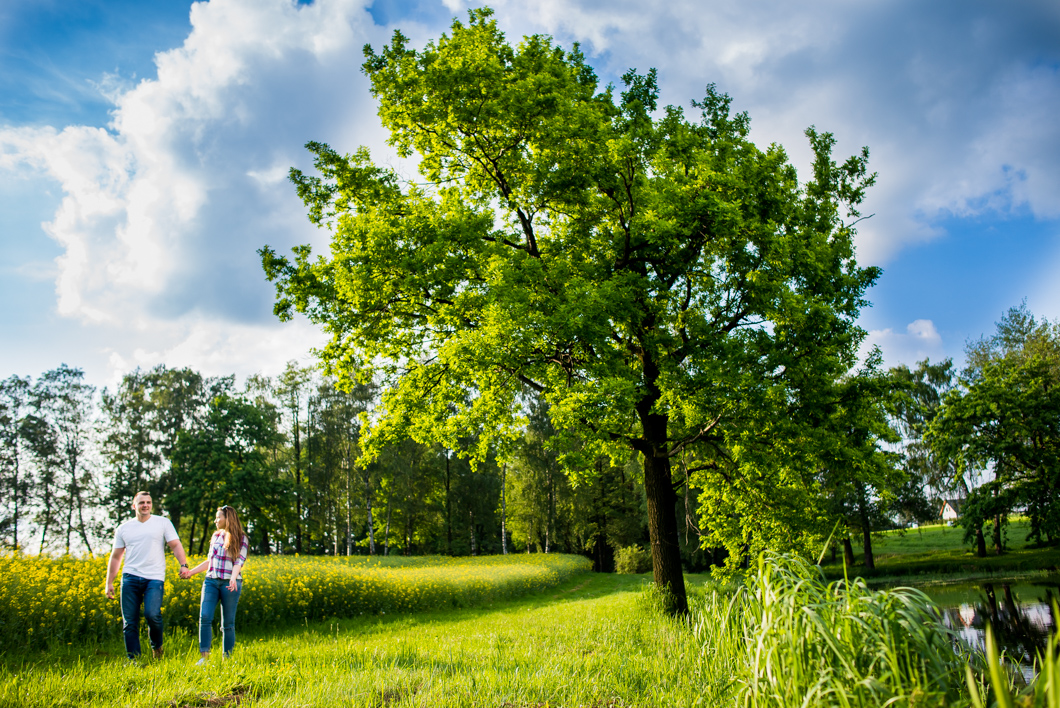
{"points": [[663, 283], [1005, 418]]}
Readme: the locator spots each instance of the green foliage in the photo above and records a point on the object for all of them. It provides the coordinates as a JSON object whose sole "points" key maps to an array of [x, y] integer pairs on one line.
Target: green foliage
{"points": [[660, 282], [918, 397], [632, 560], [1006, 418], [223, 462]]}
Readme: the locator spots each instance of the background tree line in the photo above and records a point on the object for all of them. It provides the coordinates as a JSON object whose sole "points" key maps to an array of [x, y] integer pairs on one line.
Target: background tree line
{"points": [[286, 451]]}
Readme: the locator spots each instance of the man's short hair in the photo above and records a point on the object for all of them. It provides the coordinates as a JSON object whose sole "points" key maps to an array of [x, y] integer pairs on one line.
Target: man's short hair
{"points": [[140, 494]]}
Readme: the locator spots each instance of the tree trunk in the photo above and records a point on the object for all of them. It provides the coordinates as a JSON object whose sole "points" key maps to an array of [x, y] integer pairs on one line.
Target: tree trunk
{"points": [[549, 504], [15, 530], [368, 506], [662, 500], [349, 502], [204, 535], [386, 535], [998, 545], [504, 512], [448, 510], [866, 528], [297, 486], [474, 551], [870, 562], [980, 543], [848, 552], [69, 523], [659, 491], [81, 524], [662, 528], [191, 534]]}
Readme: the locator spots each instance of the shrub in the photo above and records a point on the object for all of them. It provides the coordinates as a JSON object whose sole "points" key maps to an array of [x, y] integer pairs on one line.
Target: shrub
{"points": [[632, 560]]}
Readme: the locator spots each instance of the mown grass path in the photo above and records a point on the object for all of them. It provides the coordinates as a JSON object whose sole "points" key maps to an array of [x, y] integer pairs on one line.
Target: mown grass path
{"points": [[591, 641]]}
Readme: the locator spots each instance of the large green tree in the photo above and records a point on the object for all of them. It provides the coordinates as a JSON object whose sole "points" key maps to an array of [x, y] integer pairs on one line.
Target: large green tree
{"points": [[653, 278], [1005, 418], [224, 462]]}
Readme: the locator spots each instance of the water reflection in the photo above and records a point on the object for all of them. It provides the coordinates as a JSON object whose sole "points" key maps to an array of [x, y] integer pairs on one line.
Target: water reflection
{"points": [[1022, 617]]}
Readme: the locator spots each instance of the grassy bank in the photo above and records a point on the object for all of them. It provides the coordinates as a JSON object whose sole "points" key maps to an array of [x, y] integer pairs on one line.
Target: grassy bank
{"points": [[939, 550]]}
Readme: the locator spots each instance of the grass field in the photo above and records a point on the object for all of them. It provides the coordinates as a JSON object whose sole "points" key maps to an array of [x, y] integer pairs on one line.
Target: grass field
{"points": [[594, 640]]}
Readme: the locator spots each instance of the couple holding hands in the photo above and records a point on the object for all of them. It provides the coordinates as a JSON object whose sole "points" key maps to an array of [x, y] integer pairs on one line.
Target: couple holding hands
{"points": [[142, 542]]}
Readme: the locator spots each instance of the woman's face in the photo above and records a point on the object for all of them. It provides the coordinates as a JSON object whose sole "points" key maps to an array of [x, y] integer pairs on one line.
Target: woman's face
{"points": [[219, 520]]}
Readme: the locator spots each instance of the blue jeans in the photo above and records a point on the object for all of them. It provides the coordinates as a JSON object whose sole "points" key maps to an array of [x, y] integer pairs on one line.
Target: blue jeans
{"points": [[214, 591], [134, 592]]}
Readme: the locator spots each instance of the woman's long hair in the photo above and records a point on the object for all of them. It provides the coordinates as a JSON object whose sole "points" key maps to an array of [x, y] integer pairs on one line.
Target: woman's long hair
{"points": [[234, 534]]}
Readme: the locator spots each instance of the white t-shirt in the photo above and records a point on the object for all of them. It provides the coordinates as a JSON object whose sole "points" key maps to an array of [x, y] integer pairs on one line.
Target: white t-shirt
{"points": [[145, 546]]}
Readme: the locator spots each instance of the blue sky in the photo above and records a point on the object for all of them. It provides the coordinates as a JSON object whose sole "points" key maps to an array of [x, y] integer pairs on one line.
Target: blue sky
{"points": [[144, 148]]}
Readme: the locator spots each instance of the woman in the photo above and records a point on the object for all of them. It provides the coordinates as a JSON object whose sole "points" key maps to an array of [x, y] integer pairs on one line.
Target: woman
{"points": [[223, 566]]}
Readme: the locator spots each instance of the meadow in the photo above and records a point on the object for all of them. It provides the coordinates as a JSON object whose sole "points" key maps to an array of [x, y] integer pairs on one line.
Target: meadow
{"points": [[786, 637], [45, 602]]}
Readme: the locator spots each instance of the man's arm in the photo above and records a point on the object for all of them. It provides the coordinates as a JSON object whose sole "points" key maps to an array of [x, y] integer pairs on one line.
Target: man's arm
{"points": [[112, 570], [178, 551]]}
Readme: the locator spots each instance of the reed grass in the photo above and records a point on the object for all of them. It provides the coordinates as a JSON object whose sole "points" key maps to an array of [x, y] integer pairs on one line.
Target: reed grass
{"points": [[790, 638]]}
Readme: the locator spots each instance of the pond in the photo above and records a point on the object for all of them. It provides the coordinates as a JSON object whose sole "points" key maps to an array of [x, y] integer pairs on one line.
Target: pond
{"points": [[1020, 612]]}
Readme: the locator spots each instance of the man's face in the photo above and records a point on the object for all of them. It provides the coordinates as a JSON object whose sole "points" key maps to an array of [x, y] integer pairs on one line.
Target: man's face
{"points": [[142, 504]]}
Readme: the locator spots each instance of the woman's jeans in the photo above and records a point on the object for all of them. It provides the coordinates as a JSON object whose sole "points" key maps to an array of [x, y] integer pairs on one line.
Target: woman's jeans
{"points": [[215, 591], [134, 592]]}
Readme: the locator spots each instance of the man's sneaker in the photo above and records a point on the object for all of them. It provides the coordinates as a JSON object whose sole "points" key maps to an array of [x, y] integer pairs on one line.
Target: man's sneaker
{"points": [[157, 652], [201, 662]]}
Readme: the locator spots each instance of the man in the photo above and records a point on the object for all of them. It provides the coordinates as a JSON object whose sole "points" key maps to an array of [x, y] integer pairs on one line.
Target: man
{"points": [[143, 542]]}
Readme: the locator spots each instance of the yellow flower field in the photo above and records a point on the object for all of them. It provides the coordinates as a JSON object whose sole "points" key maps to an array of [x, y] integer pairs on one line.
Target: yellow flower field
{"points": [[46, 600]]}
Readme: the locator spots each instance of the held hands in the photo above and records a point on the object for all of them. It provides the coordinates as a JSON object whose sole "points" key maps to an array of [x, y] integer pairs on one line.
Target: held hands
{"points": [[185, 573]]}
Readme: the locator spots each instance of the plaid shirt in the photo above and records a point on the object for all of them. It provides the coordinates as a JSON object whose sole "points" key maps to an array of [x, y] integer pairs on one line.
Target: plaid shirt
{"points": [[220, 565]]}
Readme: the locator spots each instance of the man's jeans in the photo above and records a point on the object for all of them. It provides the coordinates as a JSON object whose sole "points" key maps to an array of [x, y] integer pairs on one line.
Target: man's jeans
{"points": [[214, 591], [134, 592]]}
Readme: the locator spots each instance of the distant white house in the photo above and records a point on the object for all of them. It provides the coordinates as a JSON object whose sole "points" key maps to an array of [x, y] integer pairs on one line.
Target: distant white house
{"points": [[951, 509]]}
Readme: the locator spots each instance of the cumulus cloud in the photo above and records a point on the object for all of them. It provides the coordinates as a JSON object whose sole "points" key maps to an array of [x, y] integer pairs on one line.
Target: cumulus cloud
{"points": [[164, 208], [956, 100], [919, 341], [217, 348]]}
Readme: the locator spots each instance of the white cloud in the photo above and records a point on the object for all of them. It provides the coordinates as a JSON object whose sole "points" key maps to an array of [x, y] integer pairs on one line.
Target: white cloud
{"points": [[919, 341], [163, 210], [957, 102], [218, 349]]}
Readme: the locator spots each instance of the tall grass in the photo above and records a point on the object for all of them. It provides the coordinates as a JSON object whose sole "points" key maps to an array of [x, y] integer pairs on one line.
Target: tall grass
{"points": [[789, 638], [1043, 691]]}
